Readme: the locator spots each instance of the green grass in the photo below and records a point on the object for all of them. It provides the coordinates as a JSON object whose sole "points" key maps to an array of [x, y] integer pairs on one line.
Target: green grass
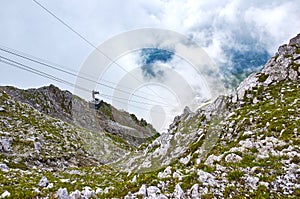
{"points": [[262, 77], [235, 175]]}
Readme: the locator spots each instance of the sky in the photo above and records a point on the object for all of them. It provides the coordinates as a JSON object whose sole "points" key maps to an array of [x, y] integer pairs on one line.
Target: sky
{"points": [[238, 36]]}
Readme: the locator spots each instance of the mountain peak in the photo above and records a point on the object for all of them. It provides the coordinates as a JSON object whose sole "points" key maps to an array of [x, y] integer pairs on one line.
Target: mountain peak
{"points": [[295, 41]]}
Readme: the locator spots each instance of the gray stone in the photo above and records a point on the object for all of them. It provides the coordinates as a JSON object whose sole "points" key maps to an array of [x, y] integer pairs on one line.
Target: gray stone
{"points": [[246, 143], [233, 158], [43, 182], [87, 192], [6, 145], [195, 191], [162, 196], [38, 147], [206, 178], [185, 160], [133, 179], [293, 75], [99, 191], [247, 84], [212, 159], [178, 175], [178, 192], [75, 195], [62, 193], [153, 191], [143, 191], [4, 167], [295, 41], [252, 182], [166, 173]]}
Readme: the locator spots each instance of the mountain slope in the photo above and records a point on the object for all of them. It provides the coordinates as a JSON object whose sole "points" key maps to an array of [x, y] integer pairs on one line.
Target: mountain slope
{"points": [[74, 110], [246, 145], [240, 146]]}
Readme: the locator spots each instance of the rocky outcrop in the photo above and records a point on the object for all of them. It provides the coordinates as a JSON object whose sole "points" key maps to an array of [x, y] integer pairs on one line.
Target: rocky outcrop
{"points": [[65, 106], [285, 65]]}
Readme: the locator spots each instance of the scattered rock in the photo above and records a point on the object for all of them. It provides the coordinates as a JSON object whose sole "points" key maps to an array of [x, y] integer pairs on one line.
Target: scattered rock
{"points": [[247, 133], [233, 158], [252, 182], [153, 191], [87, 192], [50, 186], [166, 173], [195, 191], [5, 145], [43, 182], [65, 180], [212, 159], [133, 179], [75, 172], [246, 143], [99, 191], [38, 147], [177, 175], [143, 191], [5, 194], [75, 195], [206, 178], [4, 167], [185, 160], [178, 192], [62, 193]]}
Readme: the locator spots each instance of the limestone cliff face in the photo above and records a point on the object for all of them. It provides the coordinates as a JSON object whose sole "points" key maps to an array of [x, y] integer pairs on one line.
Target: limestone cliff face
{"points": [[285, 65]]}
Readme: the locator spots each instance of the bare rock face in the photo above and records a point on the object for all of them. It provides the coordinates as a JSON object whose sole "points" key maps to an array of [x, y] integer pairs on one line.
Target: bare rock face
{"points": [[63, 105], [5, 144], [285, 65]]}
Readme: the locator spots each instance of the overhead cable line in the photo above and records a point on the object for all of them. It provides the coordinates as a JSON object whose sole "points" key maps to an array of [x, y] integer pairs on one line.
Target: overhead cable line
{"points": [[81, 77], [51, 77], [92, 45], [5, 48]]}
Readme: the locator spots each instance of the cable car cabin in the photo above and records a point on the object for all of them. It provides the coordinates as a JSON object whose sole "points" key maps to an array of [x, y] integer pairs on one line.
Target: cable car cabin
{"points": [[95, 103]]}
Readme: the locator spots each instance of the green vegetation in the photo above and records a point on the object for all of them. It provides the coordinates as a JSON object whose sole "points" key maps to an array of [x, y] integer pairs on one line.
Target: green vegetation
{"points": [[262, 77], [235, 175]]}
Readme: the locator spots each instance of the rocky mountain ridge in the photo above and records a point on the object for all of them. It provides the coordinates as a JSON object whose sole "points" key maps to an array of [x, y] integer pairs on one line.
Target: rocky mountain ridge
{"points": [[240, 146], [69, 108]]}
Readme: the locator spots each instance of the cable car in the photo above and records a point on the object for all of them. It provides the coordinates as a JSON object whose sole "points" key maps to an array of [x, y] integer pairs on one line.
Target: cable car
{"points": [[95, 103]]}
